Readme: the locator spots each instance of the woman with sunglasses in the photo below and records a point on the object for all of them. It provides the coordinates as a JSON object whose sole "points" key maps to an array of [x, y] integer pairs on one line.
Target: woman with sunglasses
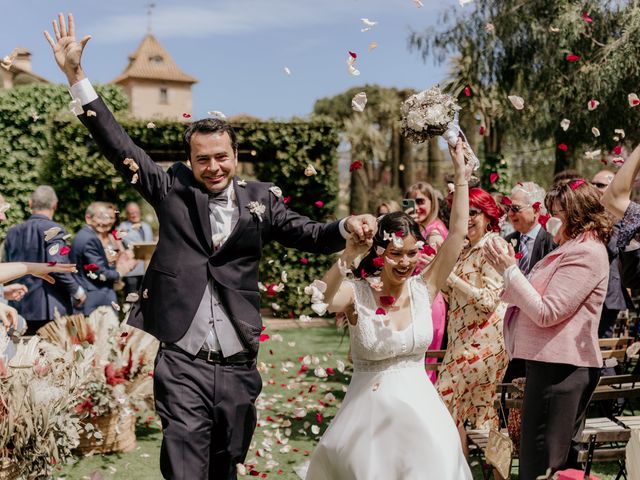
{"points": [[434, 232], [552, 323], [475, 360]]}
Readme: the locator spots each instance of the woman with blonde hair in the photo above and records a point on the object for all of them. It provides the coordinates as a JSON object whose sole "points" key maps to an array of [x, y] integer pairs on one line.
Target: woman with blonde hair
{"points": [[434, 232]]}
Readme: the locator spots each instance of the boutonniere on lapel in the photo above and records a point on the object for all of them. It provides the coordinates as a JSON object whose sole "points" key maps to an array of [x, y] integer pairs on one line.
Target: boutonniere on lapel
{"points": [[257, 209]]}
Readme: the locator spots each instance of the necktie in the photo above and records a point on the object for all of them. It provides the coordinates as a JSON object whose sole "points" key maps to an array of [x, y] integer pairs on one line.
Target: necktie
{"points": [[524, 249]]}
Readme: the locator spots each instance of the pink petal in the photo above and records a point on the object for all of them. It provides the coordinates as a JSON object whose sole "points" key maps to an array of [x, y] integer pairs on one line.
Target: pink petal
{"points": [[563, 147], [64, 250], [381, 311], [467, 91], [353, 54], [319, 204], [572, 58], [493, 178]]}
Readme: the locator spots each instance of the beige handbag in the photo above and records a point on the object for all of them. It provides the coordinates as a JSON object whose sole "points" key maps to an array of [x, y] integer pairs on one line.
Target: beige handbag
{"points": [[499, 452]]}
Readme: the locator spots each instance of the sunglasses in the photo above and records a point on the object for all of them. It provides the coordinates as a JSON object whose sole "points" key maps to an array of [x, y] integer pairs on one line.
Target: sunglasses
{"points": [[515, 208], [599, 185], [420, 201], [473, 213]]}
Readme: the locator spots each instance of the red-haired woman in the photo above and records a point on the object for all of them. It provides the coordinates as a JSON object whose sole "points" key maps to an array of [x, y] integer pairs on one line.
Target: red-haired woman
{"points": [[434, 232], [475, 360]]}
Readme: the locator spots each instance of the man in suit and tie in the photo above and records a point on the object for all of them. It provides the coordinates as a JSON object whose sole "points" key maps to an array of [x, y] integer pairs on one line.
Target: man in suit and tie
{"points": [[39, 239], [617, 298], [531, 242], [200, 295]]}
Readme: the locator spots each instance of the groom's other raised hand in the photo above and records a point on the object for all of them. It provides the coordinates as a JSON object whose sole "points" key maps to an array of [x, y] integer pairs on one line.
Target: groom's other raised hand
{"points": [[363, 227], [66, 50]]}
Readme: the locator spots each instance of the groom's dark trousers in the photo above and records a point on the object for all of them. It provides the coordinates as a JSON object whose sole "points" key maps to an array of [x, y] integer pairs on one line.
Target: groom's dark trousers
{"points": [[206, 407]]}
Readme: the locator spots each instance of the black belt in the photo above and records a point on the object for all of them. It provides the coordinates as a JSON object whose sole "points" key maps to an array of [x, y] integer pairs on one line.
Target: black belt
{"points": [[212, 356]]}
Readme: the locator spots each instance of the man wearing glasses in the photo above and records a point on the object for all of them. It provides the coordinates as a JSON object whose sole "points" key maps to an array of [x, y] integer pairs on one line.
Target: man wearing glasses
{"points": [[617, 298], [531, 242]]}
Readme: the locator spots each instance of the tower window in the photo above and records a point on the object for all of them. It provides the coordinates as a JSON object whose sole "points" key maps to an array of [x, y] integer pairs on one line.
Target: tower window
{"points": [[164, 96]]}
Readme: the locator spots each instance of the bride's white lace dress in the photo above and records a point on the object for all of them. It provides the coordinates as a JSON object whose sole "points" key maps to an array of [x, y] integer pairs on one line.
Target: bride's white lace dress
{"points": [[392, 424]]}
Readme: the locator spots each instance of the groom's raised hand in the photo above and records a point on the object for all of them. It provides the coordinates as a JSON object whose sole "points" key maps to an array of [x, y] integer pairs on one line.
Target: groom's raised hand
{"points": [[363, 227], [66, 50]]}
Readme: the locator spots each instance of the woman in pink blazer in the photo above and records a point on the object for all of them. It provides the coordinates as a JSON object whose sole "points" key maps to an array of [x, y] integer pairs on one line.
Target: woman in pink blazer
{"points": [[552, 323]]}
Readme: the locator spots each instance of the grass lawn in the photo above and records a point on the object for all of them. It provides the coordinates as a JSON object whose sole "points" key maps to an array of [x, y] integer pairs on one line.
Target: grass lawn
{"points": [[296, 406]]}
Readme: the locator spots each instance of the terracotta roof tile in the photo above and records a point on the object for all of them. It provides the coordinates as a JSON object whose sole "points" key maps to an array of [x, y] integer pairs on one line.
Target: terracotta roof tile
{"points": [[151, 61]]}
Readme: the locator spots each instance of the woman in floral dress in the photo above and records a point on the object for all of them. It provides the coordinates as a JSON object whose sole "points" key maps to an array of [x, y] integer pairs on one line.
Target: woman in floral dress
{"points": [[475, 360]]}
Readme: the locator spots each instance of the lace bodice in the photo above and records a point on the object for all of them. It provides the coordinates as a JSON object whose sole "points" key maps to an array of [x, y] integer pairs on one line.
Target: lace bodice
{"points": [[374, 345]]}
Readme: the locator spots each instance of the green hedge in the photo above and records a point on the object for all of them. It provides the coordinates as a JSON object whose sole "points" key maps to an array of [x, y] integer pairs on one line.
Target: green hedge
{"points": [[26, 118], [56, 149]]}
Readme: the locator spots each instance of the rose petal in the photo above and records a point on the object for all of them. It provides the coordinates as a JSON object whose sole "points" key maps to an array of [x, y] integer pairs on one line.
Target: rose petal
{"points": [[217, 114], [287, 70], [310, 170], [516, 101], [355, 165], [319, 204], [359, 101], [353, 55], [467, 91], [387, 300], [186, 115], [493, 178], [381, 311], [563, 147], [372, 46], [587, 18], [592, 104], [51, 233], [64, 250], [633, 99], [595, 131], [564, 124], [572, 58]]}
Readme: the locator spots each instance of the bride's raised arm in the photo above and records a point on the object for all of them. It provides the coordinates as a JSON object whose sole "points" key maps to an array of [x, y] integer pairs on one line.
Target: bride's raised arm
{"points": [[442, 265], [339, 295]]}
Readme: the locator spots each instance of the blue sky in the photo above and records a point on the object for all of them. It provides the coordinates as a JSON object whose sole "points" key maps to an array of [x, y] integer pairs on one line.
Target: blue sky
{"points": [[238, 48]]}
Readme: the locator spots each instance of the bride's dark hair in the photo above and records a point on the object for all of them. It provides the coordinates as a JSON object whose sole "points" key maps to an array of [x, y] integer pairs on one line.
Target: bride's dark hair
{"points": [[391, 223]]}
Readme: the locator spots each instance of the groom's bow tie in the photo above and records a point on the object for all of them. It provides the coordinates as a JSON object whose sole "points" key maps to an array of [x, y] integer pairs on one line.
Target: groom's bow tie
{"points": [[218, 198]]}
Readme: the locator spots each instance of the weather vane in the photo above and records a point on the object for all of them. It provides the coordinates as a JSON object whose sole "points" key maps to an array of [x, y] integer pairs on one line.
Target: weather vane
{"points": [[150, 8]]}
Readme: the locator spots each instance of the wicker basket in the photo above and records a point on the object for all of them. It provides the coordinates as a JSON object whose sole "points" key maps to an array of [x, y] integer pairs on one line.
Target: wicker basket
{"points": [[9, 469], [118, 435]]}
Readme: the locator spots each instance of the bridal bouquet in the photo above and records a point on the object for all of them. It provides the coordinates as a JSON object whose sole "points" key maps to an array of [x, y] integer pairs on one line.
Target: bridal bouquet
{"points": [[431, 113]]}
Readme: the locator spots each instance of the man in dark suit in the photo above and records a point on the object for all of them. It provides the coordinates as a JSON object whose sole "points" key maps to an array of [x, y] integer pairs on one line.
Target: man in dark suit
{"points": [[617, 298], [39, 239], [200, 296], [531, 242], [96, 273]]}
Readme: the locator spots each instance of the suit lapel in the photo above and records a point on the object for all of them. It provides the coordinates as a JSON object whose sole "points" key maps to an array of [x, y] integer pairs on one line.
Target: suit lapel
{"points": [[536, 253], [202, 205]]}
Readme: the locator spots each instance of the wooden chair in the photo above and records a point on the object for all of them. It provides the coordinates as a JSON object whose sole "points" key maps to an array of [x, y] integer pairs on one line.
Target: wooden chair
{"points": [[604, 440], [614, 351]]}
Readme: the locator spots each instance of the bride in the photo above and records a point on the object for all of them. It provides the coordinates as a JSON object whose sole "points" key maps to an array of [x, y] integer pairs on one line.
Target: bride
{"points": [[392, 424]]}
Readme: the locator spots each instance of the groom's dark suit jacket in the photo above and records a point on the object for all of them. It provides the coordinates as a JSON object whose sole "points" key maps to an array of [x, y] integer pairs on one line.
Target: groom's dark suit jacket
{"points": [[184, 259]]}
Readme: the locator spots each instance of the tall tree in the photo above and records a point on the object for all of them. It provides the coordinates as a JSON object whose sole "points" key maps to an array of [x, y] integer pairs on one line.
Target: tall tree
{"points": [[557, 56]]}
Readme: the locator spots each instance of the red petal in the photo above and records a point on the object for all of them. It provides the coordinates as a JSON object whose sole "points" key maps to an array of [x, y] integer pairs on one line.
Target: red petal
{"points": [[482, 130], [543, 220], [519, 255], [378, 262], [587, 18], [493, 178], [51, 264], [399, 234], [563, 147], [536, 206], [319, 418], [114, 233], [576, 183], [330, 371], [186, 115], [387, 300], [64, 250], [304, 260], [572, 58], [353, 54], [91, 267], [381, 311], [319, 204], [356, 165], [428, 250], [617, 150], [286, 199], [467, 91], [506, 201]]}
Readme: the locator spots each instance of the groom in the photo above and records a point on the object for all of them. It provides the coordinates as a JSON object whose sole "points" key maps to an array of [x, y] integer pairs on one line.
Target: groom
{"points": [[200, 296]]}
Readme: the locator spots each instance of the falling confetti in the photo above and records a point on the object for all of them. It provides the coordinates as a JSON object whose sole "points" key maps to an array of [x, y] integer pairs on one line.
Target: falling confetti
{"points": [[287, 70], [516, 101], [217, 114], [564, 124], [359, 101], [372, 46]]}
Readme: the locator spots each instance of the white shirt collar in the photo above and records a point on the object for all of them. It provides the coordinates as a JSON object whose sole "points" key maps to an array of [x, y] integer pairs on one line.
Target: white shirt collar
{"points": [[533, 233]]}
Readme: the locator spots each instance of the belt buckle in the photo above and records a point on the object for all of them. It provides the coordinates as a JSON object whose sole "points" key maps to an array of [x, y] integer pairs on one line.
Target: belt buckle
{"points": [[209, 359]]}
